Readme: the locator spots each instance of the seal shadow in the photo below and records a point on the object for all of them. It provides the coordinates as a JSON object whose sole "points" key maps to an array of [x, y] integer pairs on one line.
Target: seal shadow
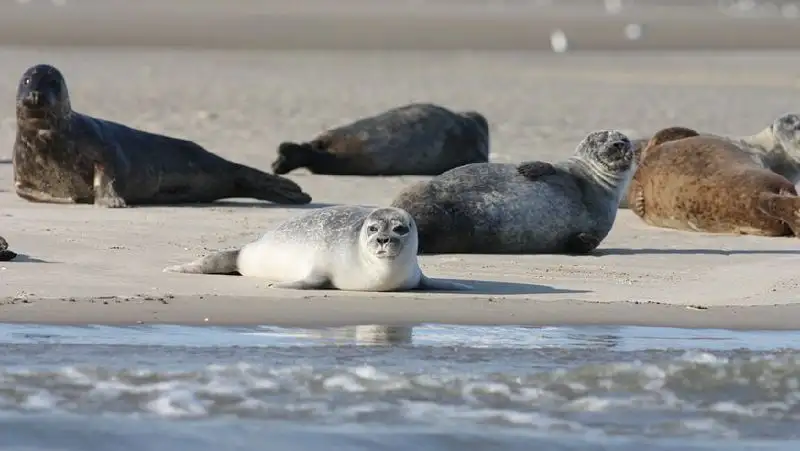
{"points": [[5, 161], [246, 204], [648, 251], [499, 288], [22, 258]]}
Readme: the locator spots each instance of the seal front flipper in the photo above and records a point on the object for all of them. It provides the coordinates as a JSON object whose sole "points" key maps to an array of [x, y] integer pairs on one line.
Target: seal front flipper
{"points": [[30, 194], [312, 282], [223, 262], [426, 283], [533, 170], [582, 243], [785, 206], [105, 192]]}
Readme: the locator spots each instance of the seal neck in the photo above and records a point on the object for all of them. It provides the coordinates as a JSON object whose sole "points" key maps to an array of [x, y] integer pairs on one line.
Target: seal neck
{"points": [[31, 121], [598, 173]]}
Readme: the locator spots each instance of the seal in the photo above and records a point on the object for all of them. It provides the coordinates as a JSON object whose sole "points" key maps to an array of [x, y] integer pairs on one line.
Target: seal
{"points": [[639, 145], [535, 207], [62, 156], [350, 248], [415, 139], [5, 254], [720, 185]]}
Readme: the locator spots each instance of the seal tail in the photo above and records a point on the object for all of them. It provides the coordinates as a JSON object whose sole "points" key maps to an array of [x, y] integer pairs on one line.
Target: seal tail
{"points": [[223, 262], [784, 206], [256, 184], [292, 156]]}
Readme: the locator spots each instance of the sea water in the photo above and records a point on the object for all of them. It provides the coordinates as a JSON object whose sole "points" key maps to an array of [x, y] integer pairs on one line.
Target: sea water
{"points": [[433, 387]]}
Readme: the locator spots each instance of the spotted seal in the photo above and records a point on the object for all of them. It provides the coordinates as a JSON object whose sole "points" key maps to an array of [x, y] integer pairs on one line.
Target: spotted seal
{"points": [[61, 156], [534, 207], [414, 139], [720, 185], [343, 247], [5, 254]]}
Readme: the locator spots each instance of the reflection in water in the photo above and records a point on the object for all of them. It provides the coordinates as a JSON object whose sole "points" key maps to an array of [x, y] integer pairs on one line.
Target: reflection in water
{"points": [[368, 334]]}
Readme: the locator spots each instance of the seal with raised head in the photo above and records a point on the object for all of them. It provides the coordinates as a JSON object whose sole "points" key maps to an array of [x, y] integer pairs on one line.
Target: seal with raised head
{"points": [[535, 207], [415, 139], [350, 248], [5, 254], [716, 185], [62, 156]]}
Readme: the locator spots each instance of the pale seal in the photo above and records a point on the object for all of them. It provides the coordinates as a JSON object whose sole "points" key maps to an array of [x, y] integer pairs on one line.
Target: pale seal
{"points": [[717, 185], [5, 254], [61, 156], [350, 248], [415, 139], [531, 208]]}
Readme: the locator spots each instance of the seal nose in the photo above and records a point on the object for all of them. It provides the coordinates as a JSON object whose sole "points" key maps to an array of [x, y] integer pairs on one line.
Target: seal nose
{"points": [[383, 240], [33, 97]]}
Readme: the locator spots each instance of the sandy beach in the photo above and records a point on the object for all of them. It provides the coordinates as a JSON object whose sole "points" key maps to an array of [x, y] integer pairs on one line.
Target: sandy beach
{"points": [[83, 264]]}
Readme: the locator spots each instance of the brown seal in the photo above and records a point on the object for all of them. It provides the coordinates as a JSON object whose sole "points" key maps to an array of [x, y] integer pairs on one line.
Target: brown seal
{"points": [[61, 156], [5, 254], [414, 139], [711, 184]]}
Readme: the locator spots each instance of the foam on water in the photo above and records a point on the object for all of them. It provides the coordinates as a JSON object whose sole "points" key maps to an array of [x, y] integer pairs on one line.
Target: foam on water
{"points": [[586, 383]]}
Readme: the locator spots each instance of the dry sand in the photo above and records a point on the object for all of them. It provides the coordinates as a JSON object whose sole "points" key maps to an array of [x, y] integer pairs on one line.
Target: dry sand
{"points": [[82, 264]]}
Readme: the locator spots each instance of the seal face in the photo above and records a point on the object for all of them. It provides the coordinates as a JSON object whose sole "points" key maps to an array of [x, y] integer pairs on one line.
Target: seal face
{"points": [[61, 156], [530, 208], [344, 247], [712, 184], [414, 139]]}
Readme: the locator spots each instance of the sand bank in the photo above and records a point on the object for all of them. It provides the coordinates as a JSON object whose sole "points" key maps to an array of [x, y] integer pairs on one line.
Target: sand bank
{"points": [[242, 104]]}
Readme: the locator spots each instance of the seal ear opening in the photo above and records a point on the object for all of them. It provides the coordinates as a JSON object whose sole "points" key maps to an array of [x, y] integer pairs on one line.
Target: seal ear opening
{"points": [[292, 156]]}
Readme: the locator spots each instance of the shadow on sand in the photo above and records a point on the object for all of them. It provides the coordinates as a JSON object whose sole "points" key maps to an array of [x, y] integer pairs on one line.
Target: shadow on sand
{"points": [[499, 288], [244, 204], [22, 258], [5, 161], [620, 251]]}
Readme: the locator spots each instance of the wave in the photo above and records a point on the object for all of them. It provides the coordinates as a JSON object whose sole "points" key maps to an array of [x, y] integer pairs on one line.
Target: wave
{"points": [[696, 394]]}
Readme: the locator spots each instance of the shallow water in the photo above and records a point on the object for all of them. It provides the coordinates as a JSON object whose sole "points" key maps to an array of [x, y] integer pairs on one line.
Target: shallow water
{"points": [[369, 387]]}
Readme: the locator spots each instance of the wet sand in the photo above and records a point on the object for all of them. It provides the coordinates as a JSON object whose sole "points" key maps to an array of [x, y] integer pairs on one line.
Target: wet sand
{"points": [[242, 103]]}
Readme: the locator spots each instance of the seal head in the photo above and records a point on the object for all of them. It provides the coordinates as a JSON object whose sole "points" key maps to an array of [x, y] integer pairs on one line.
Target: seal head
{"points": [[606, 156], [42, 95], [388, 233], [786, 130]]}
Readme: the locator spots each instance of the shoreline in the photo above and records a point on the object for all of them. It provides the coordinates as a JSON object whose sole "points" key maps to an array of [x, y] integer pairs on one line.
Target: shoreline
{"points": [[337, 310]]}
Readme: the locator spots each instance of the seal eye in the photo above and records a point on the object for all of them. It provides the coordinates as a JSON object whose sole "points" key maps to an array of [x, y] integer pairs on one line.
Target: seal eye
{"points": [[372, 229], [26, 81], [400, 230]]}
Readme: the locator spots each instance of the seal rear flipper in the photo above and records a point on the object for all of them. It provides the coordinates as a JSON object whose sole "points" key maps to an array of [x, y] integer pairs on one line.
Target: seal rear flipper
{"points": [[426, 283], [533, 170], [252, 183], [582, 243], [292, 156], [784, 206], [223, 262]]}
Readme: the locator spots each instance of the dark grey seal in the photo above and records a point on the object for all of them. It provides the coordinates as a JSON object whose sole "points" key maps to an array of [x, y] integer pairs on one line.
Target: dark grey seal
{"points": [[5, 254], [415, 139], [531, 208], [61, 156]]}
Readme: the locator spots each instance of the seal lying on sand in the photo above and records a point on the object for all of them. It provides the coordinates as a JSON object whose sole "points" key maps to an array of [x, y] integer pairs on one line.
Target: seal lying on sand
{"points": [[62, 156], [712, 184], [535, 207], [344, 247], [416, 139], [5, 254], [777, 155]]}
